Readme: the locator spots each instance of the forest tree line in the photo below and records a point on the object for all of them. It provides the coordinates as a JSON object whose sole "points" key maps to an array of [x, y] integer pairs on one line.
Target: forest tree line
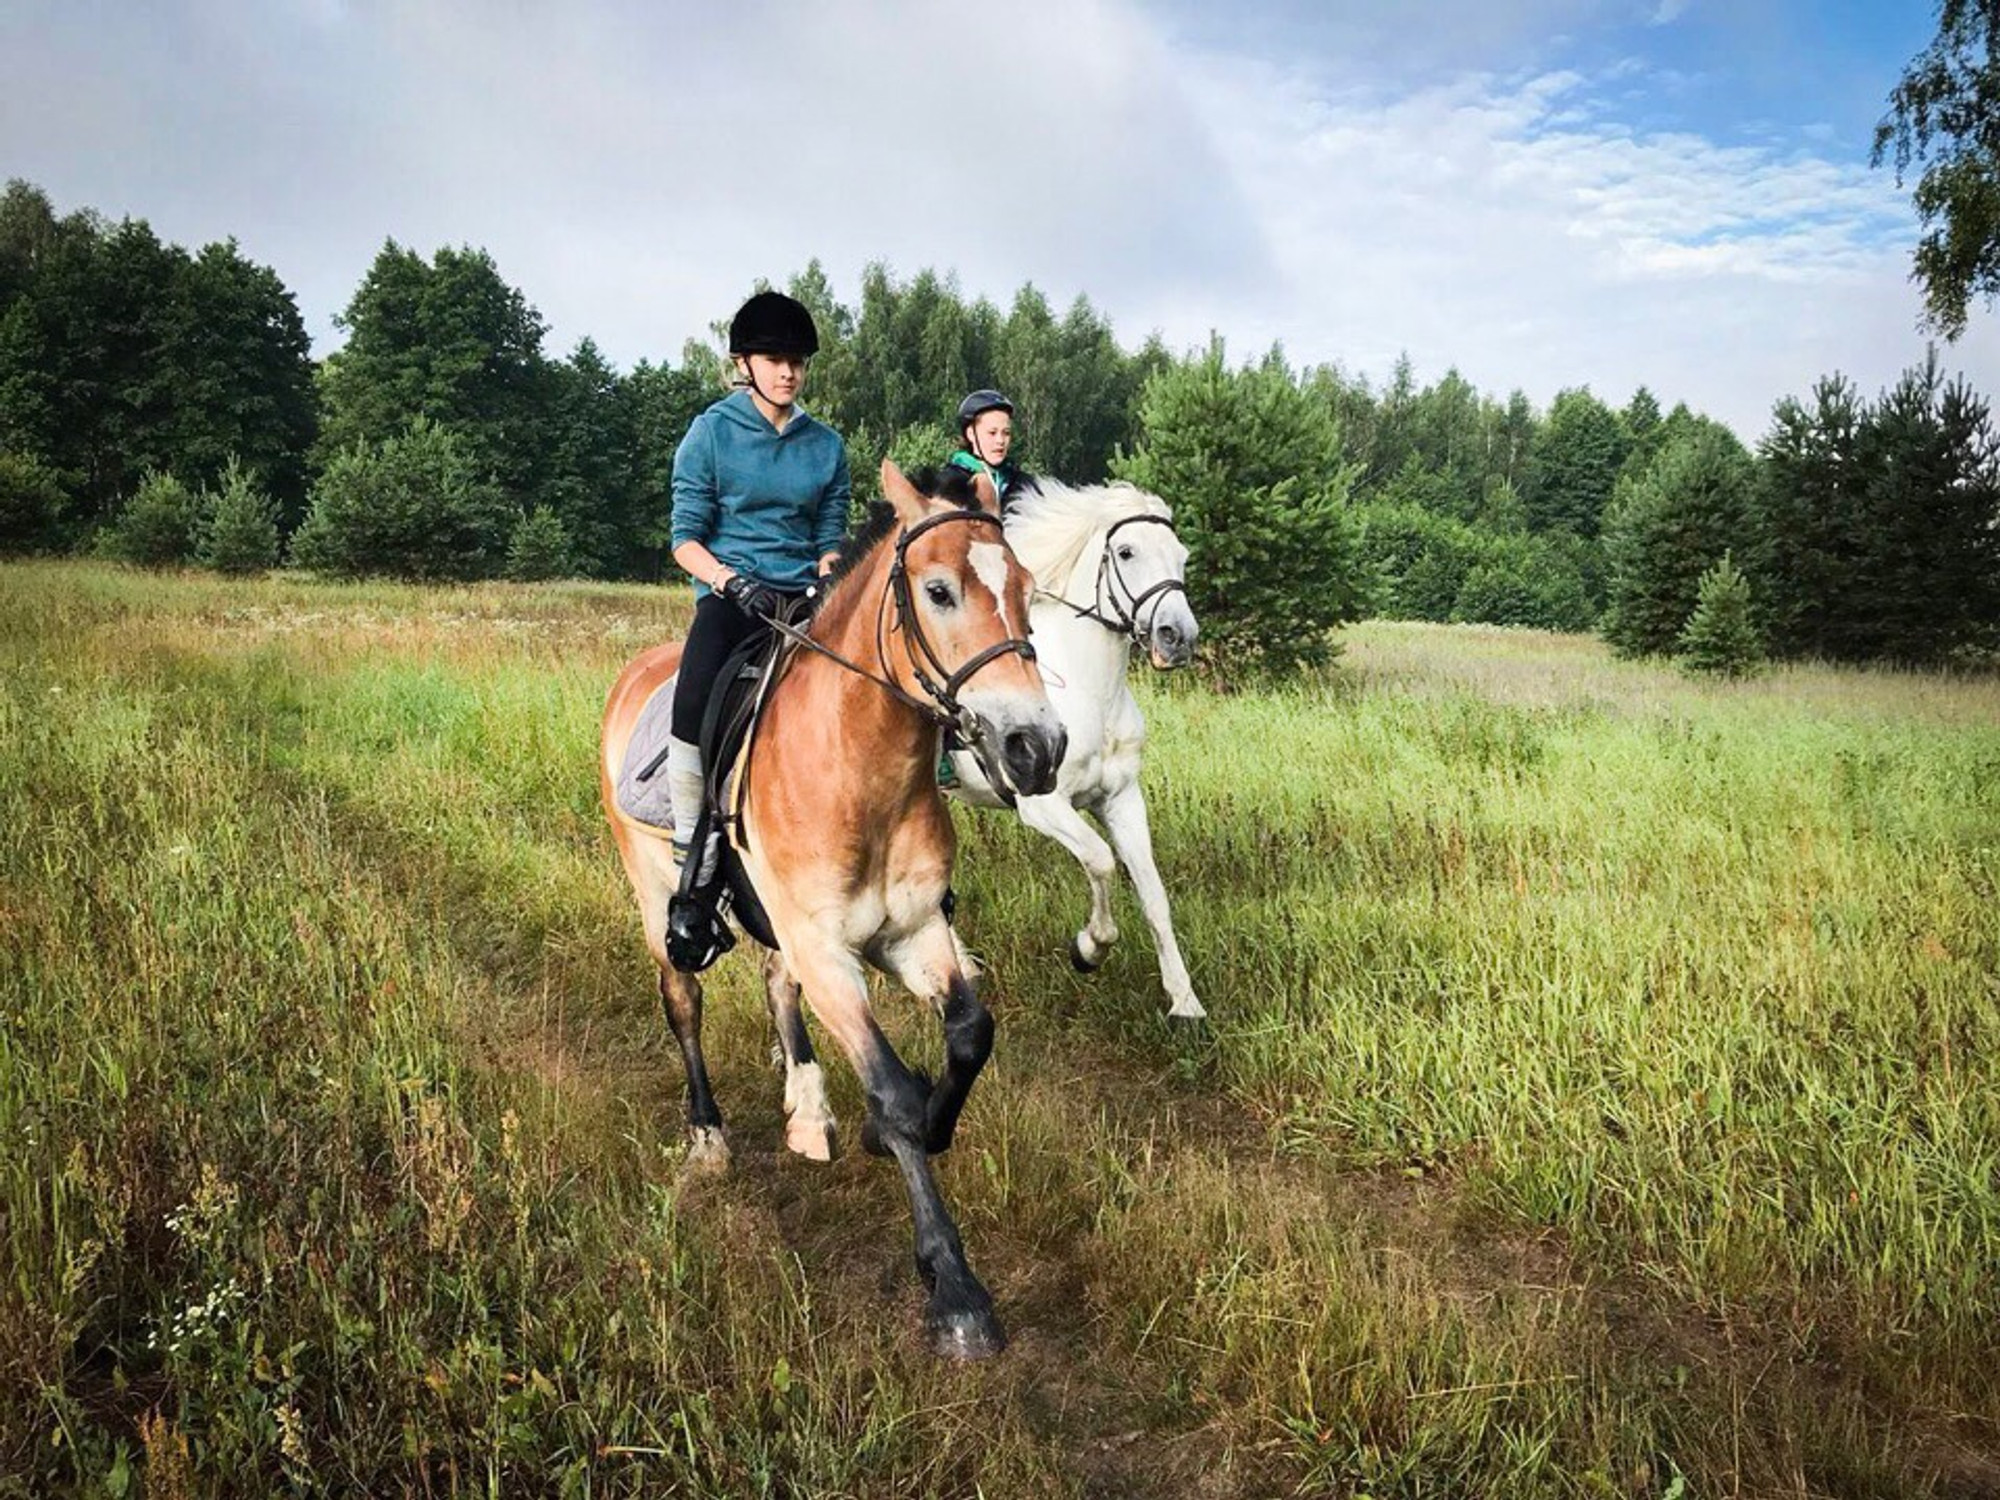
{"points": [[164, 406]]}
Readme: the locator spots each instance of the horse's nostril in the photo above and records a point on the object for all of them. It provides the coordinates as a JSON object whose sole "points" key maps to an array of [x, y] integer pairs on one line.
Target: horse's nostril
{"points": [[1031, 760], [1170, 635]]}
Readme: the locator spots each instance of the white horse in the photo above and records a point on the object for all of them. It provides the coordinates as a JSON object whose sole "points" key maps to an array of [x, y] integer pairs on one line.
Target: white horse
{"points": [[1110, 573]]}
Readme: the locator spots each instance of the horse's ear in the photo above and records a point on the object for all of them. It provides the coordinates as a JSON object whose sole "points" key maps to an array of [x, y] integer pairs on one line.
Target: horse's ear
{"points": [[989, 498], [910, 506]]}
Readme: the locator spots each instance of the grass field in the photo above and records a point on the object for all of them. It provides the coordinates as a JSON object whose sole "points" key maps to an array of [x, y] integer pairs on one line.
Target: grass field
{"points": [[1601, 1098]]}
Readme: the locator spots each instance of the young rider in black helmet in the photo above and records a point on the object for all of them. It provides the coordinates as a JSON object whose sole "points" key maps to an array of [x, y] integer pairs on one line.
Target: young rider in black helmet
{"points": [[760, 504], [986, 428]]}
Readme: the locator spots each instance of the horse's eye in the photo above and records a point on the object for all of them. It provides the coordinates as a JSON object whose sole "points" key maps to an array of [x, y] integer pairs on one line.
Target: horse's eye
{"points": [[1124, 554], [939, 594]]}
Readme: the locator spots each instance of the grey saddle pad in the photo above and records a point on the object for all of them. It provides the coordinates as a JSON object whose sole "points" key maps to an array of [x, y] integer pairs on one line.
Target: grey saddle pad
{"points": [[648, 801]]}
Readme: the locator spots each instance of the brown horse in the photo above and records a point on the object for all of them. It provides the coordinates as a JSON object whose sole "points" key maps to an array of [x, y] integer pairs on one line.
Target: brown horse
{"points": [[849, 845]]}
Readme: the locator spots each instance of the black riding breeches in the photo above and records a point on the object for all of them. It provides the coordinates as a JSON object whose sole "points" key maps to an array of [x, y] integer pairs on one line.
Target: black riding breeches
{"points": [[719, 628]]}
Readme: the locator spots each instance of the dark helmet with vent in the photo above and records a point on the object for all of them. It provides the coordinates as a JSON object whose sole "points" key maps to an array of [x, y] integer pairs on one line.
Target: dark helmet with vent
{"points": [[978, 404]]}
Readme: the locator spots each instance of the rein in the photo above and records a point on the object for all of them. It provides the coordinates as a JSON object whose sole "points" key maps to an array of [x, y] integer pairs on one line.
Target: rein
{"points": [[1125, 619], [940, 704]]}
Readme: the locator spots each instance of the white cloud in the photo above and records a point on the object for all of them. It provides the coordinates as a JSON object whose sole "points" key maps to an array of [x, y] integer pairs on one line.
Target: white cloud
{"points": [[1515, 229], [633, 167]]}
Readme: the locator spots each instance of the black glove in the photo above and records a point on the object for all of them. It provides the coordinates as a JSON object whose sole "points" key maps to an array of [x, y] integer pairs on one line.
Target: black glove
{"points": [[757, 600]]}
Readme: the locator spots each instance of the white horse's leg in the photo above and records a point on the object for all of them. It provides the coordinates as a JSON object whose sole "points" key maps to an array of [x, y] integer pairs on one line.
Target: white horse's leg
{"points": [[1055, 817], [1124, 814], [809, 1124]]}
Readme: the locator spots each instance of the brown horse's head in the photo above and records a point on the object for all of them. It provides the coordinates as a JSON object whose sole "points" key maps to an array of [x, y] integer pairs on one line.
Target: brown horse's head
{"points": [[965, 623]]}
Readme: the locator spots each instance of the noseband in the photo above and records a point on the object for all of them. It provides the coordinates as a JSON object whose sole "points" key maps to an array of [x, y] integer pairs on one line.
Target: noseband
{"points": [[1124, 617], [944, 695]]}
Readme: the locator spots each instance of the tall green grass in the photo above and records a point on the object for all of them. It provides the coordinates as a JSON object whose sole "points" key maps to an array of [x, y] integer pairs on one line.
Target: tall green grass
{"points": [[1600, 1100]]}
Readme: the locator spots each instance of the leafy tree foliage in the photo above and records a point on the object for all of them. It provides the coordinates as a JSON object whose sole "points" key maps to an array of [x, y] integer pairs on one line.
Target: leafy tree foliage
{"points": [[120, 354], [593, 462], [239, 530], [158, 526], [539, 547], [1720, 638], [241, 367], [1430, 567], [1574, 465], [412, 506], [451, 341], [1946, 112], [663, 400], [1669, 526], [1254, 470], [1523, 580], [31, 503]]}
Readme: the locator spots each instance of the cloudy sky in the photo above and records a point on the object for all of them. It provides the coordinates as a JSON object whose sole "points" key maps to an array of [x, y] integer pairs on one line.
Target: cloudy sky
{"points": [[1541, 193]]}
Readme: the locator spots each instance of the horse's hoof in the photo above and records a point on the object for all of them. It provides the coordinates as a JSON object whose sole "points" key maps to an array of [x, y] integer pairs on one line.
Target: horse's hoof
{"points": [[966, 1335], [707, 1150], [1189, 1009], [813, 1139], [1079, 961]]}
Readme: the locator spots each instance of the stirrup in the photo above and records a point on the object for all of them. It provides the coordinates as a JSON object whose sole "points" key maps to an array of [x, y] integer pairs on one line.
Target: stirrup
{"points": [[696, 934]]}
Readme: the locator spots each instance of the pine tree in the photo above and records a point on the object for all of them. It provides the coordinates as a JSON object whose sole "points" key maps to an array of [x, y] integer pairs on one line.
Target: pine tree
{"points": [[158, 526], [239, 534], [1720, 639], [410, 507], [1667, 527], [1879, 523], [539, 548], [1254, 469]]}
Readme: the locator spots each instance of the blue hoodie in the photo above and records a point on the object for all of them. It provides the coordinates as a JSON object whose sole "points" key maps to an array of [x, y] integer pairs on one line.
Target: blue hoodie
{"points": [[767, 503]]}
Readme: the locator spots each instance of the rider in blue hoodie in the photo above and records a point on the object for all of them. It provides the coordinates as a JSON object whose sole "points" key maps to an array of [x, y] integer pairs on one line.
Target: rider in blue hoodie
{"points": [[760, 504]]}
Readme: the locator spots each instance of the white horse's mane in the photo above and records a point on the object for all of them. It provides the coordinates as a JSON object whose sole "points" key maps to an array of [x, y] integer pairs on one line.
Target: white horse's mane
{"points": [[1050, 527]]}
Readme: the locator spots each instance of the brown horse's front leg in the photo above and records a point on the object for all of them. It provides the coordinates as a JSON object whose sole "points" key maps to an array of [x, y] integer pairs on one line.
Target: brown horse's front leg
{"points": [[959, 1312], [968, 1042], [927, 962]]}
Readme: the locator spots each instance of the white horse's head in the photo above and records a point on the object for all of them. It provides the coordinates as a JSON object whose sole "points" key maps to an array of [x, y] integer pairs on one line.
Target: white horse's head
{"points": [[1110, 550]]}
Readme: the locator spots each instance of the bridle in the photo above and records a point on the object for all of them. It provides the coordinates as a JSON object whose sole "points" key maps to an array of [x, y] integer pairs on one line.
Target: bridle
{"points": [[939, 702], [1124, 617]]}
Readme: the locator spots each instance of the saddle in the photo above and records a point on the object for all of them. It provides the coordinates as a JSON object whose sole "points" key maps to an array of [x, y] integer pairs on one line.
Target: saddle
{"points": [[698, 912]]}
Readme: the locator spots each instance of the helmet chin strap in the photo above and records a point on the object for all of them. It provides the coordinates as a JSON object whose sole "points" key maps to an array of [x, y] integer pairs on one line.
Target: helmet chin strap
{"points": [[750, 379]]}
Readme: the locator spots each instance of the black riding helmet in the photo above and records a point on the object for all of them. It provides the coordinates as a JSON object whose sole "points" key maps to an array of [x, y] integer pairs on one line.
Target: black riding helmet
{"points": [[772, 323], [978, 404]]}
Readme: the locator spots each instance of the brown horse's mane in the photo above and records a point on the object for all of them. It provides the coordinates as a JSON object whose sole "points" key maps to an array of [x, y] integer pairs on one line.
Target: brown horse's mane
{"points": [[861, 545], [865, 538]]}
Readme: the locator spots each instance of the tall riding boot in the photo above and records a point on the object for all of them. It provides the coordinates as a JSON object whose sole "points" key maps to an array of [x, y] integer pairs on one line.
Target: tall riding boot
{"points": [[696, 933], [684, 786]]}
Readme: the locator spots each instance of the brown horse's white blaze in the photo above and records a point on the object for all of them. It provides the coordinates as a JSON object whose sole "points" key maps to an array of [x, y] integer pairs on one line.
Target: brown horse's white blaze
{"points": [[850, 846]]}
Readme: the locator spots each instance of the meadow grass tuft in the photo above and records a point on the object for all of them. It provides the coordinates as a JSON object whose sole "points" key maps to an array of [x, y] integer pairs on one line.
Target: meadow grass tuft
{"points": [[1600, 1100]]}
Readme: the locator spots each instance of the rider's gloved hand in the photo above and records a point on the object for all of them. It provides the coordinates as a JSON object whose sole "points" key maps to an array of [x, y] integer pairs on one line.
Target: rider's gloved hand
{"points": [[757, 600]]}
